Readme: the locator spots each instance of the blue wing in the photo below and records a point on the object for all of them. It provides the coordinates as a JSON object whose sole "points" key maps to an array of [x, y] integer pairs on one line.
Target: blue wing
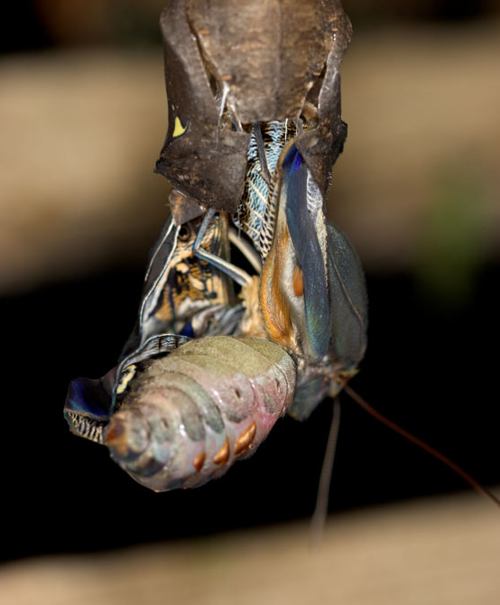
{"points": [[310, 256], [348, 300], [88, 405]]}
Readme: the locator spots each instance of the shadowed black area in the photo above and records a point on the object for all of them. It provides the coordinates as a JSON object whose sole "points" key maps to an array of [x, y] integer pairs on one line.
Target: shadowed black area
{"points": [[22, 29], [428, 370]]}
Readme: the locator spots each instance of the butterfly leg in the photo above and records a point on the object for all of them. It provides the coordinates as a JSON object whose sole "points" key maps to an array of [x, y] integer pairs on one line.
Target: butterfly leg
{"points": [[235, 273], [246, 249]]}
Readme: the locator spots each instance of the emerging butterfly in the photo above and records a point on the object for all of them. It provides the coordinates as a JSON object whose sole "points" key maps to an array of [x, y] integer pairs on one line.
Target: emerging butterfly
{"points": [[253, 304]]}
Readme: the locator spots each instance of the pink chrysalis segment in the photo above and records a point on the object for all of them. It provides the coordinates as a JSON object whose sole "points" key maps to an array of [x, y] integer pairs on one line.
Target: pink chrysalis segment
{"points": [[190, 415]]}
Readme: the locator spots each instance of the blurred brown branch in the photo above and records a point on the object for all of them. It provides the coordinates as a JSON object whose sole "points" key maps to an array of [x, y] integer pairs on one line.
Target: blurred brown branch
{"points": [[81, 132], [442, 552]]}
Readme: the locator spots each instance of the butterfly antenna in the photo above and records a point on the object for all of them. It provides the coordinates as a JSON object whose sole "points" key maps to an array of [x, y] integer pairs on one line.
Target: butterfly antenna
{"points": [[318, 519], [480, 489]]}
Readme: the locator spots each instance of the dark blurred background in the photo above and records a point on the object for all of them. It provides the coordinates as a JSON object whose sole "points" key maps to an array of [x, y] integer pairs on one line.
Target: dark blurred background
{"points": [[82, 117]]}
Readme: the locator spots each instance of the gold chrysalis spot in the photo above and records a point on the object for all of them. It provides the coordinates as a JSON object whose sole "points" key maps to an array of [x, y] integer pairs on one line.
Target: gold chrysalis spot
{"points": [[245, 440], [222, 456], [199, 461]]}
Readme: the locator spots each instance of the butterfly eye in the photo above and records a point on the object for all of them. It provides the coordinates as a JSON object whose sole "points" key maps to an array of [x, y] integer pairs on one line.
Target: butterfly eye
{"points": [[185, 233]]}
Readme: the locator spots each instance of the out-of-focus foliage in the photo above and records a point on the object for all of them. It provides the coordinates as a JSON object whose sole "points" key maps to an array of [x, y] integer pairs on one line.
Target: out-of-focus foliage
{"points": [[452, 245]]}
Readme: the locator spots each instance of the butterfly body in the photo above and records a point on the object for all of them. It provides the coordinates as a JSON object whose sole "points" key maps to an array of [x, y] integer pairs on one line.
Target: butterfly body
{"points": [[223, 348]]}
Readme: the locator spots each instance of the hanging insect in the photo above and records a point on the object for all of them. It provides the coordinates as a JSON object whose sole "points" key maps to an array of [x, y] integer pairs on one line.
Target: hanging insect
{"points": [[263, 123], [262, 113]]}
